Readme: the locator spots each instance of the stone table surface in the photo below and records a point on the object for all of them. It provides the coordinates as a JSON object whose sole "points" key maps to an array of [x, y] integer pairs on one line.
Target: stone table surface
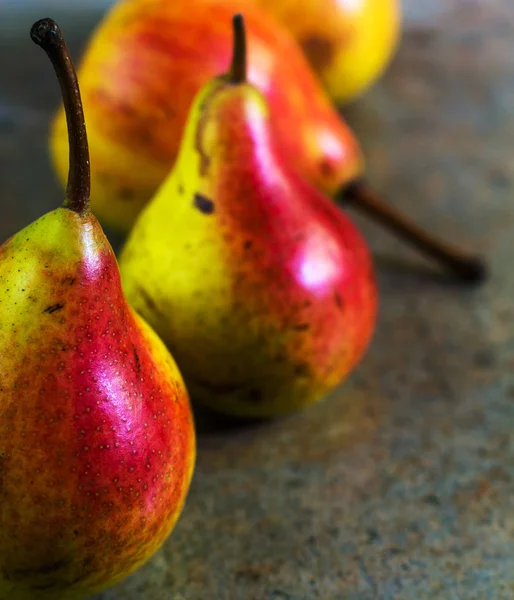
{"points": [[400, 485]]}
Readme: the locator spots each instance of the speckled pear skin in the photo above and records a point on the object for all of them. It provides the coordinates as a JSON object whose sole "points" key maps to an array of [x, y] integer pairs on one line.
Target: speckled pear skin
{"points": [[263, 290], [97, 443]]}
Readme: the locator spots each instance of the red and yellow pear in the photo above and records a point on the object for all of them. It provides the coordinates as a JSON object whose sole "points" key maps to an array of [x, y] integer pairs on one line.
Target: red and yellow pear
{"points": [[261, 287], [97, 443]]}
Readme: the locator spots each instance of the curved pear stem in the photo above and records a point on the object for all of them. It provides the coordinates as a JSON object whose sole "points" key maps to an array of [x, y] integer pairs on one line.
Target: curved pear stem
{"points": [[237, 72], [464, 266], [48, 35]]}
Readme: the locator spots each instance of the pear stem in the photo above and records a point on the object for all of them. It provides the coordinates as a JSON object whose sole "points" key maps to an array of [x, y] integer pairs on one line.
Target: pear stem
{"points": [[237, 72], [48, 35], [466, 267]]}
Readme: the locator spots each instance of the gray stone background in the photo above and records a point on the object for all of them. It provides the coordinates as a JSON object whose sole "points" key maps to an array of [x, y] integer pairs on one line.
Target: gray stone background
{"points": [[400, 485]]}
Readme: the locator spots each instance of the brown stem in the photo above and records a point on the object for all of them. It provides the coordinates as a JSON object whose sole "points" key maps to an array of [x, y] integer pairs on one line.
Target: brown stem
{"points": [[464, 266], [47, 34], [237, 72]]}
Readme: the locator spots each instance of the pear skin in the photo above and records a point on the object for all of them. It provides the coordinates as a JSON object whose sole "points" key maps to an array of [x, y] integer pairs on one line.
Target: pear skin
{"points": [[97, 443], [262, 289]]}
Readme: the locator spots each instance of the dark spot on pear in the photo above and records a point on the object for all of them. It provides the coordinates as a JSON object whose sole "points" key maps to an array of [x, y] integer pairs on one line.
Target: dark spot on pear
{"points": [[301, 327], [143, 136], [319, 50], [338, 300], [301, 369], [126, 194], [248, 244], [126, 109], [137, 362], [68, 280], [203, 204], [53, 308], [180, 188], [326, 168]]}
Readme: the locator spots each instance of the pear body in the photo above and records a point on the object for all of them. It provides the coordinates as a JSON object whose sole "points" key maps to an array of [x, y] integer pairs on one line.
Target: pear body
{"points": [[96, 434], [262, 289], [140, 73], [348, 43]]}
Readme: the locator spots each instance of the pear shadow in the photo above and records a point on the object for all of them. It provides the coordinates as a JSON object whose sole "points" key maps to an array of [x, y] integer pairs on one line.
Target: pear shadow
{"points": [[343, 419], [417, 272], [210, 422]]}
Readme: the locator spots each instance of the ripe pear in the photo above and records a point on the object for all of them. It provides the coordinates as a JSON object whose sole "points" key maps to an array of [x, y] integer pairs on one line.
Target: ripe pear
{"points": [[348, 44], [263, 289], [97, 443]]}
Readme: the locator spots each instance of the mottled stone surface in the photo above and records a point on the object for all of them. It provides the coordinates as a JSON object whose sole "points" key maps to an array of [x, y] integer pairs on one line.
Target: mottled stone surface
{"points": [[400, 485]]}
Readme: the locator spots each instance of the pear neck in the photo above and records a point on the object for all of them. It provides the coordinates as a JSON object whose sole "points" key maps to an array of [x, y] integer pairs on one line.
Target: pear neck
{"points": [[243, 128]]}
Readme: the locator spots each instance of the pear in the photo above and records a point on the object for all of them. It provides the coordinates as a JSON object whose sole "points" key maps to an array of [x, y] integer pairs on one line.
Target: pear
{"points": [[348, 44], [261, 287], [97, 444]]}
